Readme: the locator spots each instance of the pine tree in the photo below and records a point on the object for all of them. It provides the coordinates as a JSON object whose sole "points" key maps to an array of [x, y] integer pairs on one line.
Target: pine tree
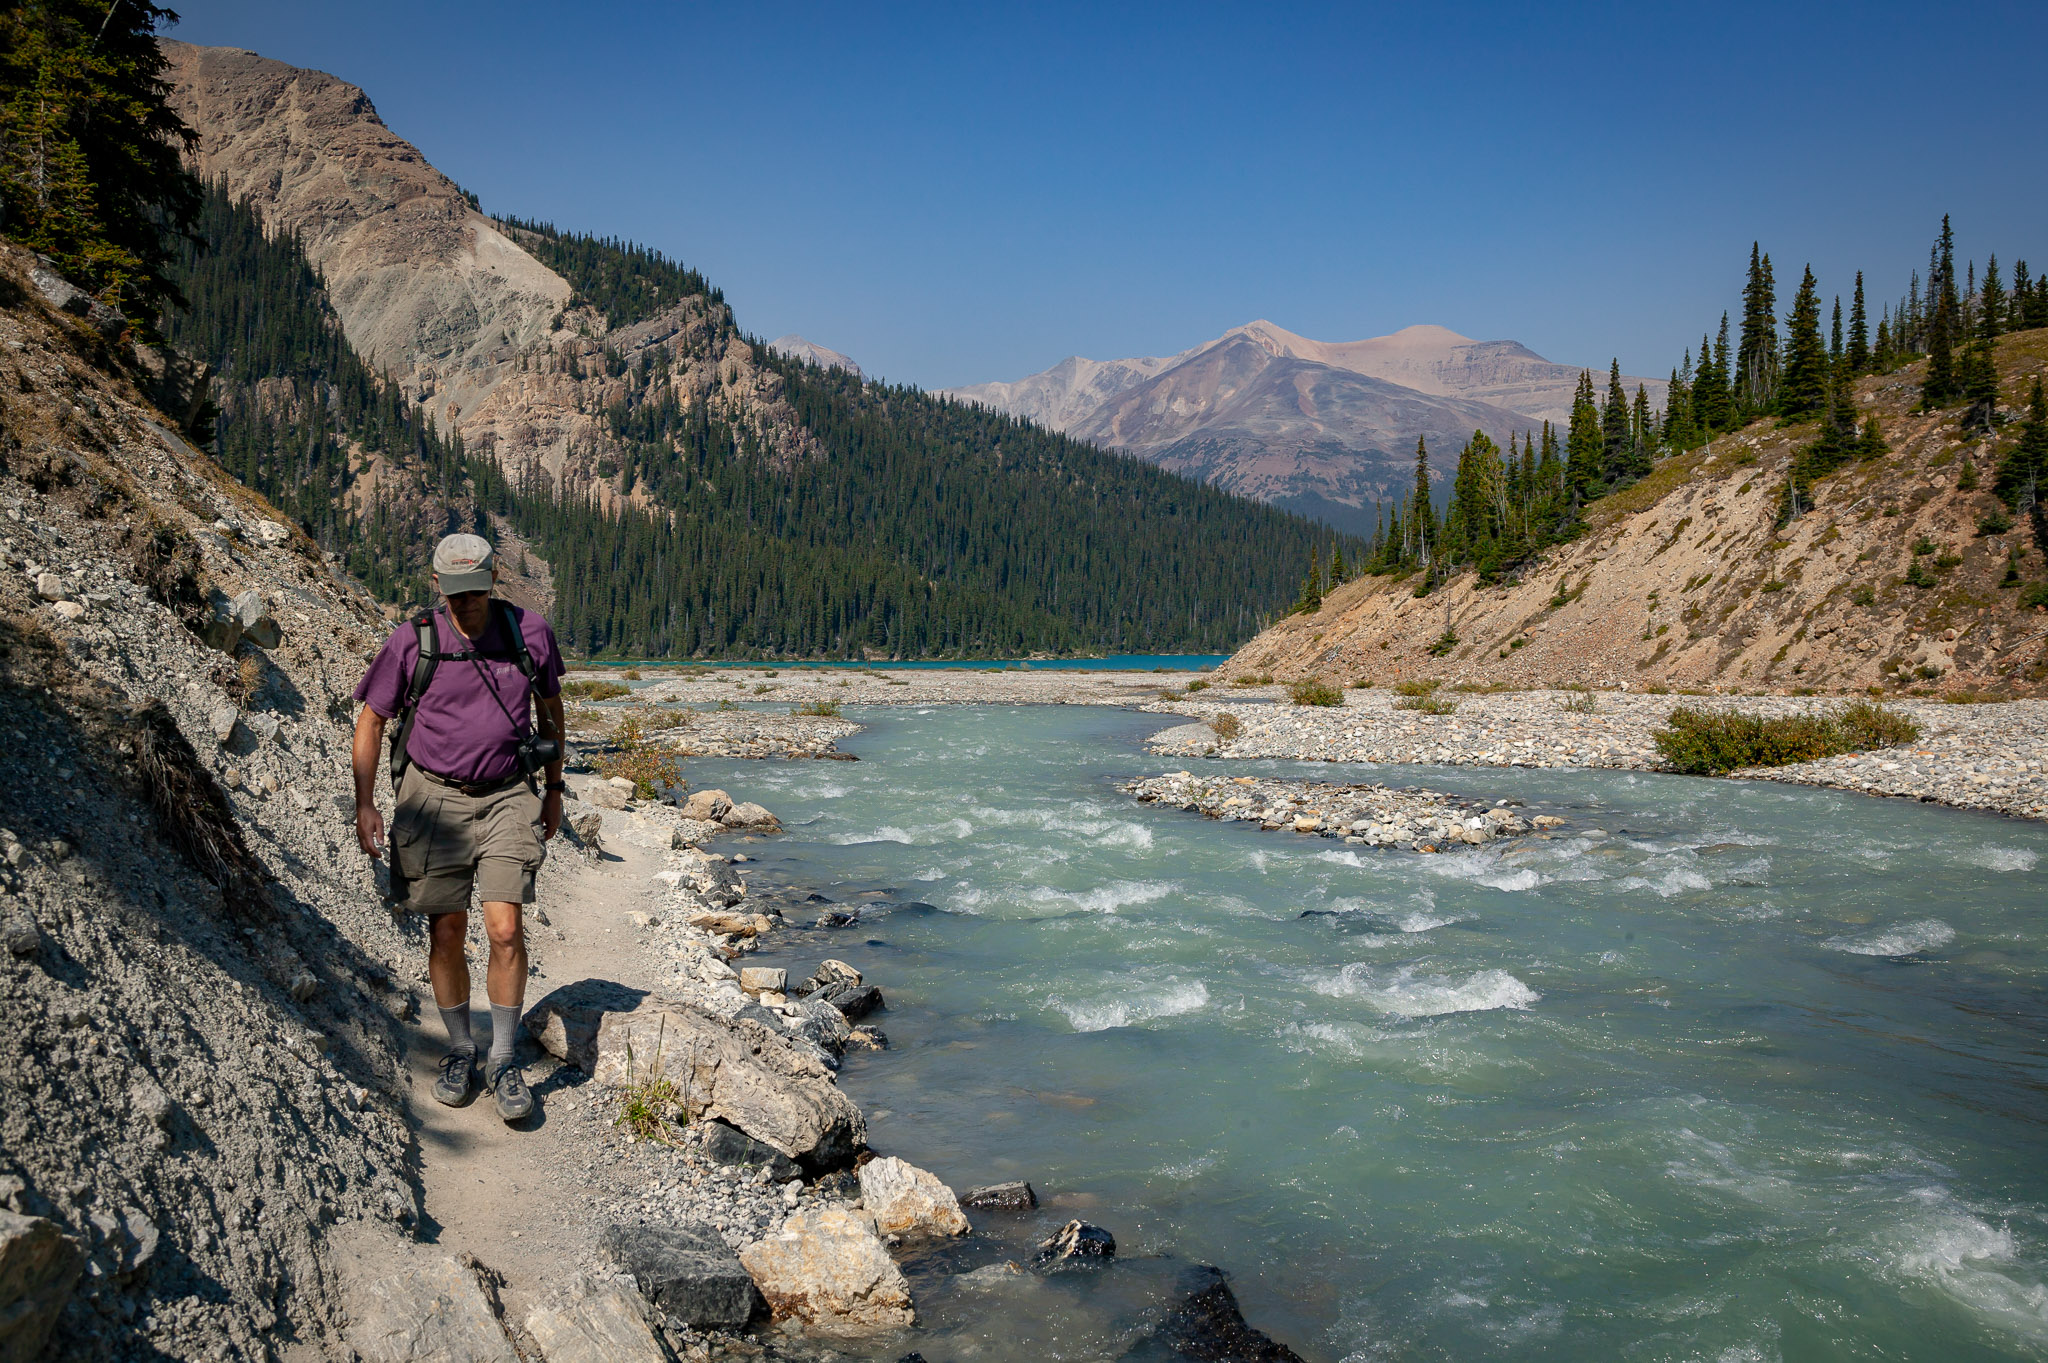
{"points": [[2022, 286], [1583, 445], [1836, 354], [1978, 380], [1859, 331], [1642, 435], [2024, 469], [1616, 453], [1802, 392], [1756, 362], [90, 173], [1678, 407], [1421, 516], [1990, 303], [1339, 574]]}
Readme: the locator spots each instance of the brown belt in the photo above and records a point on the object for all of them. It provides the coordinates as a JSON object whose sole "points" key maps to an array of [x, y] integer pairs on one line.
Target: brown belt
{"points": [[473, 789]]}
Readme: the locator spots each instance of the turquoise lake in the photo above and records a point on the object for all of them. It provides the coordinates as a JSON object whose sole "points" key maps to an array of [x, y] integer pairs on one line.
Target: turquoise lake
{"points": [[1721, 1071]]}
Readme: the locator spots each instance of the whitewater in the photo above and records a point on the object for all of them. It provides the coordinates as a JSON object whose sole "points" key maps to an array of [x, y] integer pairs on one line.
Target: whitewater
{"points": [[1718, 1070]]}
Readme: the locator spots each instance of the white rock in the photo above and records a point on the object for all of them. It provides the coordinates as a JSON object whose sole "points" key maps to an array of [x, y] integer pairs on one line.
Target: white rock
{"points": [[49, 586], [907, 1200], [67, 610], [828, 1271]]}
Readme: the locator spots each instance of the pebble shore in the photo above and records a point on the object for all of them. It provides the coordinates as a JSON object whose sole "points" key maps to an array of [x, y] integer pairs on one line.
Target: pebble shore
{"points": [[1413, 820], [1989, 756]]}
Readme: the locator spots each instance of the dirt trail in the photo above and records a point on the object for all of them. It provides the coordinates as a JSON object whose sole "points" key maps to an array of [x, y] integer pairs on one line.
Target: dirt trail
{"points": [[518, 1197]]}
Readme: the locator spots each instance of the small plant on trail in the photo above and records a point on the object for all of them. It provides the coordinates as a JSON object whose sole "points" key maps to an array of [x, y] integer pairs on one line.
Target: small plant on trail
{"points": [[1171, 693], [1427, 704], [1445, 642], [1226, 726], [1420, 687], [651, 1098], [1198, 685], [823, 709], [1711, 743], [1314, 691], [1579, 703], [639, 759]]}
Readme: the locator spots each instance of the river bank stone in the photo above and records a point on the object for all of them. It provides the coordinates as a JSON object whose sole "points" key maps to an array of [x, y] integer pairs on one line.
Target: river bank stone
{"points": [[909, 1201], [687, 1270], [565, 1022], [1077, 1242], [432, 1308], [1001, 1197], [827, 1271], [727, 1145], [738, 1071], [1207, 1326], [596, 1322]]}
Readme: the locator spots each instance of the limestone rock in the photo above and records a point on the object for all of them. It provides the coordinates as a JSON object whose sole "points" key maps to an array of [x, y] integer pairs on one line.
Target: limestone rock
{"points": [[588, 827], [756, 978], [222, 721], [907, 1200], [687, 1270], [596, 1322], [68, 610], [1001, 1197], [710, 878], [707, 806], [828, 1271], [728, 1145], [738, 1071], [1077, 1241], [252, 614], [749, 815], [20, 935], [565, 1022], [39, 1266], [49, 586], [605, 795], [434, 1309]]}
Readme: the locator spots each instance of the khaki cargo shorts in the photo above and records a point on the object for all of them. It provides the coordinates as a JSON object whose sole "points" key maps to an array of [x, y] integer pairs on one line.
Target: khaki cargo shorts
{"points": [[443, 842]]}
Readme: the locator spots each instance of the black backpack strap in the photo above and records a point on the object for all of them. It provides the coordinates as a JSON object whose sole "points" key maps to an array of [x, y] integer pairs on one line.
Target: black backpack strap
{"points": [[422, 677], [509, 617]]}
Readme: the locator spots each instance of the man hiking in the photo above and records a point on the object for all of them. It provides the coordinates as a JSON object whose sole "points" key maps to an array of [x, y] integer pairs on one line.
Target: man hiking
{"points": [[479, 793]]}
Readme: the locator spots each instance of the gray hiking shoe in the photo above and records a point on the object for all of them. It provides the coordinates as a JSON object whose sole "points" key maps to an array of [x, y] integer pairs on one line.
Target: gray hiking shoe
{"points": [[458, 1076], [515, 1099]]}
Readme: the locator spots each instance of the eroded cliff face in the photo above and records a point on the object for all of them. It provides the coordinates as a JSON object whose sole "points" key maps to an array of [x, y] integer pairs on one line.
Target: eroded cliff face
{"points": [[487, 339], [1688, 580]]}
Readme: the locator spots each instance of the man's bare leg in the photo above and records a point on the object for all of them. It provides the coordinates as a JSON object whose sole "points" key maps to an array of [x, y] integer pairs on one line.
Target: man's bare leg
{"points": [[505, 982], [448, 968]]}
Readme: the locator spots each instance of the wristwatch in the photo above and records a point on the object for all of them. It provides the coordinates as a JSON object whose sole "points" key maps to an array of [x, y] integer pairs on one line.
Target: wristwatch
{"points": [[556, 786]]}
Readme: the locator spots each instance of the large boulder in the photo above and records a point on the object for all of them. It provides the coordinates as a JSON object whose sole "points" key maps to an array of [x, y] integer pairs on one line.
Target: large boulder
{"points": [[1208, 1327], [906, 1200], [687, 1270], [747, 814], [729, 1146], [427, 1309], [565, 1022], [828, 1271], [39, 1267], [1077, 1242], [596, 1322], [738, 1071], [708, 806], [252, 613]]}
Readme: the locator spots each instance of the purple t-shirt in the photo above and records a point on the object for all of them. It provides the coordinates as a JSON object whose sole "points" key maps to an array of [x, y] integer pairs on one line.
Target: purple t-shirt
{"points": [[475, 712]]}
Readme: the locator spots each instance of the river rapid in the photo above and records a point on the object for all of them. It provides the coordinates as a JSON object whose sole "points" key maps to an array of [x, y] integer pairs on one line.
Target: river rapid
{"points": [[1720, 1071]]}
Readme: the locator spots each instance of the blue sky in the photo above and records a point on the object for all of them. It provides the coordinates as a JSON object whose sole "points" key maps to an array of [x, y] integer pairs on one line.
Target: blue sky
{"points": [[956, 193]]}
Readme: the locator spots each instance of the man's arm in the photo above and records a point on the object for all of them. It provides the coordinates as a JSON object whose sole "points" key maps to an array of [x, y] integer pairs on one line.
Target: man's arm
{"points": [[551, 802], [363, 758]]}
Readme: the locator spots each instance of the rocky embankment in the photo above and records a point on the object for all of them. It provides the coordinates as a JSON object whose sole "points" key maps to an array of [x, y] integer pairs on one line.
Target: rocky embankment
{"points": [[1987, 756], [1411, 819], [735, 732], [797, 684]]}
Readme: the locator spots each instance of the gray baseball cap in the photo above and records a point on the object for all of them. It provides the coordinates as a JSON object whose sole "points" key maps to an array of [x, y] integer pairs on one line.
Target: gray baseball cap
{"points": [[463, 563]]}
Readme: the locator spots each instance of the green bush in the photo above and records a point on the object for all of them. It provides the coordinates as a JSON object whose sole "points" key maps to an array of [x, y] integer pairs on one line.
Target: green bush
{"points": [[1314, 691], [1198, 685], [828, 709], [1420, 687], [1447, 641], [1427, 704], [2034, 594], [1712, 742], [594, 690], [1226, 725]]}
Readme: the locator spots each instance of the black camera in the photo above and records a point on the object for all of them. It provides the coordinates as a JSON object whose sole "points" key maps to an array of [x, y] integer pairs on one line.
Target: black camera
{"points": [[536, 751]]}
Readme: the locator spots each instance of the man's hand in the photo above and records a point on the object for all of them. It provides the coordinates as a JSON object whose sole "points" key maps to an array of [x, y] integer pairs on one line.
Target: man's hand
{"points": [[370, 831], [550, 814]]}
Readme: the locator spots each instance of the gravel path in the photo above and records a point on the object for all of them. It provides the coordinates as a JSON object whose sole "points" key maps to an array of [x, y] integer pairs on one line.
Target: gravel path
{"points": [[1992, 757]]}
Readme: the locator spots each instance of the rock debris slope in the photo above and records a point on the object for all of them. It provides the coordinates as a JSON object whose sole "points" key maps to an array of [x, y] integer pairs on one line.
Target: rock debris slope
{"points": [[1688, 579], [199, 990]]}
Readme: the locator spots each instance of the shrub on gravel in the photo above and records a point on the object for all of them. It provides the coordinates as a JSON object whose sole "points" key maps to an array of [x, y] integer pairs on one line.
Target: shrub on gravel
{"points": [[1226, 726], [1427, 704], [1416, 688], [594, 690], [1314, 691], [824, 709], [1711, 743]]}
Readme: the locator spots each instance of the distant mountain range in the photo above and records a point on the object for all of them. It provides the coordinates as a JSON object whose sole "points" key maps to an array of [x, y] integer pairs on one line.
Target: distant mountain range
{"points": [[1324, 428], [797, 348]]}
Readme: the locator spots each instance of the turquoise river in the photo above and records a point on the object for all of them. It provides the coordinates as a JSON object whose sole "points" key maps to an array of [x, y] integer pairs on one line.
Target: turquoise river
{"points": [[1722, 1071]]}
